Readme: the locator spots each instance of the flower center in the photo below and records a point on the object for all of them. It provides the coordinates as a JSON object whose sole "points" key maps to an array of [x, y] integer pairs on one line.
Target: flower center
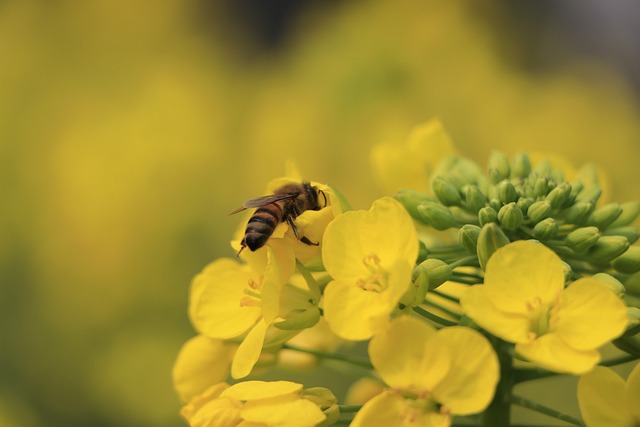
{"points": [[416, 405], [252, 294], [376, 280], [540, 317]]}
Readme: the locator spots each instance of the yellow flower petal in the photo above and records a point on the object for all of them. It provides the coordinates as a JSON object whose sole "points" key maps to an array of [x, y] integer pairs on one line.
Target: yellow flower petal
{"points": [[249, 351], [383, 410], [215, 304], [271, 288], [407, 356], [386, 231], [353, 313], [632, 393], [551, 352], [601, 399], [209, 410], [252, 390], [390, 409], [470, 382], [510, 327], [201, 363], [589, 315], [523, 272], [290, 411]]}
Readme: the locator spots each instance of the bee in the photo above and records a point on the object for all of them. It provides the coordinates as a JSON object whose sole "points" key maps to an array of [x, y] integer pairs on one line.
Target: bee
{"points": [[284, 205]]}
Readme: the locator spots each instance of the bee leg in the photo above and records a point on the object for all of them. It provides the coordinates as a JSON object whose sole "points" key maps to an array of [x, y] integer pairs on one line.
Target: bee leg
{"points": [[296, 231]]}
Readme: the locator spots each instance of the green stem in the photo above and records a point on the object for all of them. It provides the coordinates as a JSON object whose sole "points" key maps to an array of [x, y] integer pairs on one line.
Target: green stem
{"points": [[619, 360], [534, 406], [463, 281], [471, 260], [441, 308], [347, 409], [498, 413], [311, 282], [434, 318], [333, 356], [445, 296]]}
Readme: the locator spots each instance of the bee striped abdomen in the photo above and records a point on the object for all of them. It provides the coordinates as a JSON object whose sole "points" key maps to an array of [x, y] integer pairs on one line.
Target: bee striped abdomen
{"points": [[261, 225]]}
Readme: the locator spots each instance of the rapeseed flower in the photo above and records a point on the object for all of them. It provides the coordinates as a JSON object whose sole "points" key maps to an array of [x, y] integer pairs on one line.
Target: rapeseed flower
{"points": [[606, 400], [410, 165], [256, 404], [524, 301], [229, 300], [370, 256], [431, 375]]}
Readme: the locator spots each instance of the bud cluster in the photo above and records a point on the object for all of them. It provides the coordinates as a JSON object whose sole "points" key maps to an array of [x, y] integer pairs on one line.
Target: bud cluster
{"points": [[515, 201]]}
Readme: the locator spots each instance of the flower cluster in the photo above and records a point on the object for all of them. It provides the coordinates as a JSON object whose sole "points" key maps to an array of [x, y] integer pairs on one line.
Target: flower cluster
{"points": [[464, 285]]}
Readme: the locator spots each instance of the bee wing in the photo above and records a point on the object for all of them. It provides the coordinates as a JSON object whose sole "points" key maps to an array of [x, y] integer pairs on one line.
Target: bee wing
{"points": [[258, 202]]}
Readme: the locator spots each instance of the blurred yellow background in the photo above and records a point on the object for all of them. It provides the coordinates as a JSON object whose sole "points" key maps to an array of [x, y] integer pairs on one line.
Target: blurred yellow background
{"points": [[128, 131]]}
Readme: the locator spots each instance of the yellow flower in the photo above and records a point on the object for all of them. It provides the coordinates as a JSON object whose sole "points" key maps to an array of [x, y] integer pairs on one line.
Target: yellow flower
{"points": [[370, 256], [524, 301], [231, 301], [432, 375], [411, 164], [201, 363], [253, 403], [607, 401]]}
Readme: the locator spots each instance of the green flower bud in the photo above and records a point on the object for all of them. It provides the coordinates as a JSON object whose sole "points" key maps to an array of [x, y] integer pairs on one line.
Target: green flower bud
{"points": [[604, 216], [435, 215], [568, 272], [590, 194], [326, 401], [521, 165], [491, 238], [507, 192], [468, 237], [410, 199], [300, 319], [579, 212], [630, 212], [612, 283], [438, 271], [474, 198], [581, 239], [632, 285], [608, 248], [559, 195], [628, 262], [510, 217], [633, 313], [487, 215], [495, 204], [539, 210], [446, 192], [540, 188], [543, 168], [524, 203], [630, 232], [419, 288], [546, 229], [498, 167], [423, 252]]}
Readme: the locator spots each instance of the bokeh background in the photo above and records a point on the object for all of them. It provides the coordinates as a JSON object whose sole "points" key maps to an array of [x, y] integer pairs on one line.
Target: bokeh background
{"points": [[128, 131]]}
